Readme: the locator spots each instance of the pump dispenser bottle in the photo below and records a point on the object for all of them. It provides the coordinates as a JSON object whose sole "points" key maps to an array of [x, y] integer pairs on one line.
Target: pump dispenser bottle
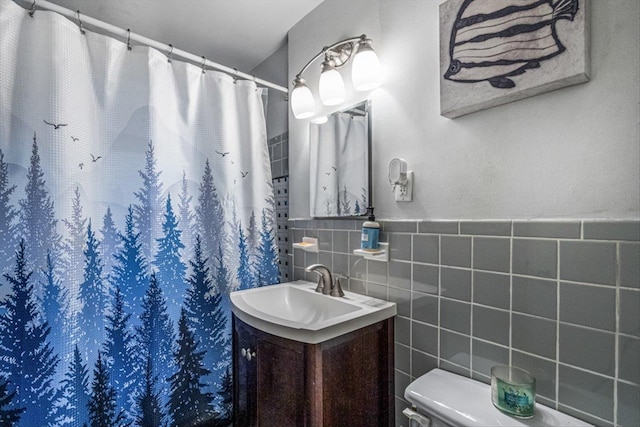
{"points": [[370, 232]]}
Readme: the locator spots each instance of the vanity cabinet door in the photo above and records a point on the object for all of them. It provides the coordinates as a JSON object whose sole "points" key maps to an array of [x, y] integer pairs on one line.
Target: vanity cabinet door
{"points": [[280, 383], [244, 375], [268, 379]]}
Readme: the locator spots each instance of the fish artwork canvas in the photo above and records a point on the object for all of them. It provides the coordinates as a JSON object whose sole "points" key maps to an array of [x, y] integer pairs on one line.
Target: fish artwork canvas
{"points": [[497, 51]]}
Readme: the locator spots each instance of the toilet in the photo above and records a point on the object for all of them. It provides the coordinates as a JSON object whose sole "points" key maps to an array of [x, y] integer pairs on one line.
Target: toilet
{"points": [[441, 398]]}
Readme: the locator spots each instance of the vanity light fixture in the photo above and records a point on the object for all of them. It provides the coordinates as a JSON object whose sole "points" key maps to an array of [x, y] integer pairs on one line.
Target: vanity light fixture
{"points": [[365, 75]]}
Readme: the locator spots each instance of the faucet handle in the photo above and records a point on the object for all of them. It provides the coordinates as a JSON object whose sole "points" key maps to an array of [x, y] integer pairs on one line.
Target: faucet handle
{"points": [[336, 289]]}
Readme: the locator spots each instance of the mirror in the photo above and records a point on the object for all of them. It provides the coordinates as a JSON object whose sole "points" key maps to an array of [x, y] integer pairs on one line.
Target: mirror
{"points": [[340, 163]]}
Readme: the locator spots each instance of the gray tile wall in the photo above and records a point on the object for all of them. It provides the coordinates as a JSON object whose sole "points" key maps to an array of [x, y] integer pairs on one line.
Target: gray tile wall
{"points": [[559, 298]]}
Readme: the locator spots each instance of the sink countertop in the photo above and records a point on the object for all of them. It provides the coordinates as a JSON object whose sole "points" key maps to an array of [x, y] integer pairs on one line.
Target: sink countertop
{"points": [[293, 310]]}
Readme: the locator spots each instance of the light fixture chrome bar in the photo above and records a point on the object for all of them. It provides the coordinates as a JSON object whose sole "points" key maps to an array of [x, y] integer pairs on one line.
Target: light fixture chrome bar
{"points": [[331, 49], [125, 34]]}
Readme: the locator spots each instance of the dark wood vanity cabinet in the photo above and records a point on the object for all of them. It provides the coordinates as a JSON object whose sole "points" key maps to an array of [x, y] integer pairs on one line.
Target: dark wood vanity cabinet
{"points": [[346, 381]]}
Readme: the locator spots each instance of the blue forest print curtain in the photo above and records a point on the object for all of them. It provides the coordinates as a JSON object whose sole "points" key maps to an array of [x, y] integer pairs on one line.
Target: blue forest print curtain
{"points": [[135, 195]]}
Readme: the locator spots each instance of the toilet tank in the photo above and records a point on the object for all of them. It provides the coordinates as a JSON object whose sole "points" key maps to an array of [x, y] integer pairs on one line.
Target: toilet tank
{"points": [[459, 401]]}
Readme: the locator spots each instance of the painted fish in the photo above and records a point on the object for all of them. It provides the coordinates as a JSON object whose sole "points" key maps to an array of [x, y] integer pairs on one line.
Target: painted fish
{"points": [[493, 40]]}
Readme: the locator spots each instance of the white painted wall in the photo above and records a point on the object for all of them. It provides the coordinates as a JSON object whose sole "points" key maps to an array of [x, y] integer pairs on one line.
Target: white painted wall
{"points": [[571, 153], [274, 69]]}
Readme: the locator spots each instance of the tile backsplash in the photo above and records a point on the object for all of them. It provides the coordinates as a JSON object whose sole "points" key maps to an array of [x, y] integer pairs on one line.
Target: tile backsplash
{"points": [[558, 298]]}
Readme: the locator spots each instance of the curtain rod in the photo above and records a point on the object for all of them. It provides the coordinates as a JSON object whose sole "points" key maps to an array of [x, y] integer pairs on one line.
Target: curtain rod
{"points": [[128, 35]]}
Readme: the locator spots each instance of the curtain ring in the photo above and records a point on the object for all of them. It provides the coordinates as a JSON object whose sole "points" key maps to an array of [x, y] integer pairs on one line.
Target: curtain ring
{"points": [[235, 75], [80, 22], [129, 39], [203, 61], [169, 54], [32, 11]]}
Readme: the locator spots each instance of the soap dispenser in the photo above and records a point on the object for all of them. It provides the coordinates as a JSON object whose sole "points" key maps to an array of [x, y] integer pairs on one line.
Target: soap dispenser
{"points": [[370, 232]]}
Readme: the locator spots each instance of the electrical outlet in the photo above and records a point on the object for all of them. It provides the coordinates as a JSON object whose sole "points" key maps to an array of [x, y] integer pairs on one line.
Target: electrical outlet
{"points": [[404, 193]]}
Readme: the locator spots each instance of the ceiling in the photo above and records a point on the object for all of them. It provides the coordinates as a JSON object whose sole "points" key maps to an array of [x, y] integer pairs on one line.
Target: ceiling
{"points": [[236, 33]]}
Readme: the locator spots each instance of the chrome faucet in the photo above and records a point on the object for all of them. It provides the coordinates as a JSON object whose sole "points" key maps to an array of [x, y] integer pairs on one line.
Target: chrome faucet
{"points": [[326, 284]]}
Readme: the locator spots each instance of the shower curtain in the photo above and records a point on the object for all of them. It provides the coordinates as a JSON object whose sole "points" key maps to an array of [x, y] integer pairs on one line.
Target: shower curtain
{"points": [[135, 194]]}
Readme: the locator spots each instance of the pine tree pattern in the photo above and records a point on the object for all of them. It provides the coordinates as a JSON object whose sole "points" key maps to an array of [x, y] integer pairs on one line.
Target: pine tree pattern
{"points": [[8, 415], [37, 215], [26, 357], [119, 356], [102, 404], [76, 392], [8, 217], [122, 326], [92, 298], [170, 268], [156, 337], [189, 404]]}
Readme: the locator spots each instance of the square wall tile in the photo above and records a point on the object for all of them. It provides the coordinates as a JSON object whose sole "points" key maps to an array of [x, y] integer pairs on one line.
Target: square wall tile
{"points": [[543, 370], [455, 315], [340, 241], [629, 359], [533, 335], [535, 258], [629, 265], [357, 267], [455, 251], [340, 264], [535, 296], [491, 324], [591, 262], [325, 240], [402, 330], [400, 246], [421, 363], [491, 289], [426, 278], [377, 272], [455, 348], [587, 392], [628, 407], [354, 241], [492, 253], [402, 298], [486, 355], [455, 283], [456, 369], [424, 308], [587, 348], [426, 248], [400, 275], [630, 311], [402, 358], [402, 381], [424, 338], [380, 292], [600, 300]]}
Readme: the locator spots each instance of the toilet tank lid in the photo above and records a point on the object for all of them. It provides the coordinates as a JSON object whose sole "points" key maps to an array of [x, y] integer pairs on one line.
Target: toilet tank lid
{"points": [[461, 401]]}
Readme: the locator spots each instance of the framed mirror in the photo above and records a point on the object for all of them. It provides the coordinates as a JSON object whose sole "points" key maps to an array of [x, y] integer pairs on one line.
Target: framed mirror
{"points": [[340, 163]]}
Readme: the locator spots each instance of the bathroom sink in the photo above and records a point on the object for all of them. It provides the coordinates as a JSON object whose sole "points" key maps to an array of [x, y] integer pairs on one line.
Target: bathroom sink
{"points": [[295, 311]]}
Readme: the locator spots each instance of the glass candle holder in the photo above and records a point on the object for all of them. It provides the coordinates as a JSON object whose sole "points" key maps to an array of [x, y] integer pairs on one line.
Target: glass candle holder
{"points": [[513, 391]]}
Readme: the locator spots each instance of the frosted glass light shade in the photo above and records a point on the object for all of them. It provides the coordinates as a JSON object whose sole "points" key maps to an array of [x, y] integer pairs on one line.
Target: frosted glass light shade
{"points": [[366, 72], [302, 103], [331, 87]]}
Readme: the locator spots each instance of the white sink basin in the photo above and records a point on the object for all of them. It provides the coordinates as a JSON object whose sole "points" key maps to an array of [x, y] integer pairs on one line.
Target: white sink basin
{"points": [[295, 311]]}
